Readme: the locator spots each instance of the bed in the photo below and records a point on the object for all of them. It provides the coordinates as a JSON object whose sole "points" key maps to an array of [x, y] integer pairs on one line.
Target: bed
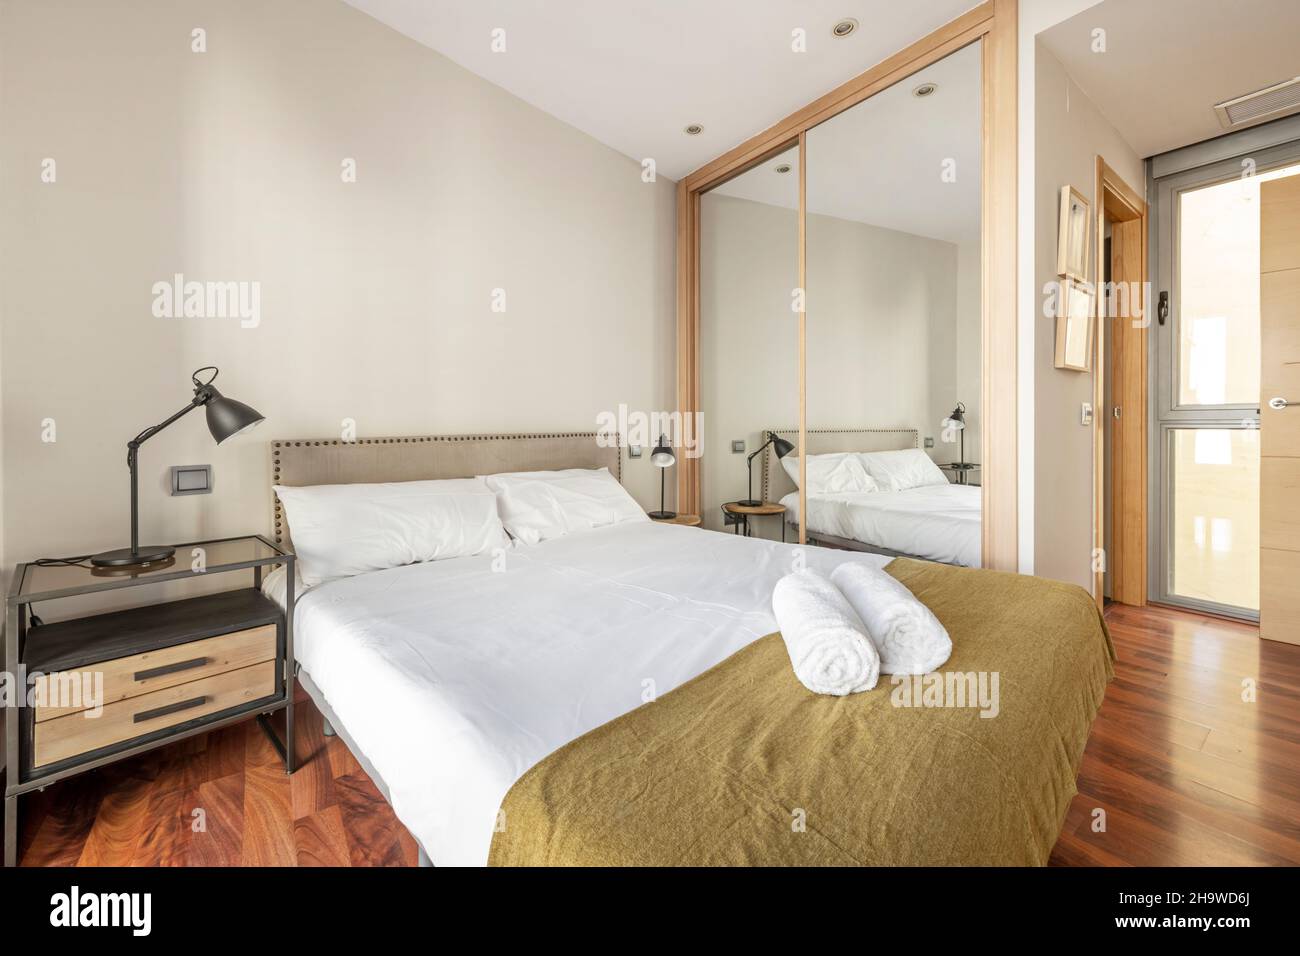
{"points": [[937, 522], [477, 695]]}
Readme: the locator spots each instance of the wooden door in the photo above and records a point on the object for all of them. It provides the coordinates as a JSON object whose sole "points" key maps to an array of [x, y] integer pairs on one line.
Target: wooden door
{"points": [[1279, 491], [1127, 427]]}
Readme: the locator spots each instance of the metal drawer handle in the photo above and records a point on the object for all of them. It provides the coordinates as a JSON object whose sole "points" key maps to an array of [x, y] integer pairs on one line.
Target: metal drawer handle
{"points": [[170, 668], [1281, 403], [169, 709]]}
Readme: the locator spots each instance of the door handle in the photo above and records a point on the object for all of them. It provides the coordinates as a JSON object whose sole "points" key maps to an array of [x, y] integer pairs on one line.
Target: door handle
{"points": [[1281, 403]]}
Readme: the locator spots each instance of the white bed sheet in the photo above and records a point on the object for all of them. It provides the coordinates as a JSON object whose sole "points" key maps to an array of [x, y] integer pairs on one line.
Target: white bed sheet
{"points": [[454, 679], [938, 522]]}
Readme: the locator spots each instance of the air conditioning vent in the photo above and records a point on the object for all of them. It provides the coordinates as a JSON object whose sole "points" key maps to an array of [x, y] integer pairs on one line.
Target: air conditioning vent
{"points": [[1268, 103]]}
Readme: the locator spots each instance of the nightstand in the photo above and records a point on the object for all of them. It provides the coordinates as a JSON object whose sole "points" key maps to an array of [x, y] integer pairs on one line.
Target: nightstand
{"points": [[110, 686], [961, 471], [691, 521], [738, 515]]}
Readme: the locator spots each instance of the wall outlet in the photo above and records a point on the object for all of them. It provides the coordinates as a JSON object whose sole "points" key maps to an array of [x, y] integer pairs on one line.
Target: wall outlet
{"points": [[634, 451], [738, 447], [929, 443]]}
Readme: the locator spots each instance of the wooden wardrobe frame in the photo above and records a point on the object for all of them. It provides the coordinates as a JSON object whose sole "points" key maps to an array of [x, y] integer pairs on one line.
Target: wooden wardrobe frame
{"points": [[995, 23]]}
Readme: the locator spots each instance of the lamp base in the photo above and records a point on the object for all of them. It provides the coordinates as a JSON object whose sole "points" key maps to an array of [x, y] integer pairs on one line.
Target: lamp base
{"points": [[749, 503], [662, 515], [125, 557]]}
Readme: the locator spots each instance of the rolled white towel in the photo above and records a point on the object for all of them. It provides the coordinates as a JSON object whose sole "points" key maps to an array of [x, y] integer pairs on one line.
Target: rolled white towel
{"points": [[906, 633], [826, 641]]}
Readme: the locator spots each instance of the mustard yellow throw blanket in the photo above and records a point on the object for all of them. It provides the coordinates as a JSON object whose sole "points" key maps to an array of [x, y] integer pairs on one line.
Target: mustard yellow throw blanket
{"points": [[744, 765]]}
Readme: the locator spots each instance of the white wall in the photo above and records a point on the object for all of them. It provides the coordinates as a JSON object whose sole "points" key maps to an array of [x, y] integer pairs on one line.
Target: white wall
{"points": [[375, 296], [893, 333], [1034, 17], [1070, 134]]}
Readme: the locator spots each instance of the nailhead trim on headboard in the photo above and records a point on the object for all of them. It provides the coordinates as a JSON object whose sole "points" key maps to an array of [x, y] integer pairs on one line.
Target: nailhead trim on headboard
{"points": [[793, 434], [277, 446]]}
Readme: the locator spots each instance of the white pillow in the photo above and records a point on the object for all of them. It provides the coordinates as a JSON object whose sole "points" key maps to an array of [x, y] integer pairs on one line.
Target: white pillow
{"points": [[901, 470], [831, 474], [538, 505], [342, 530]]}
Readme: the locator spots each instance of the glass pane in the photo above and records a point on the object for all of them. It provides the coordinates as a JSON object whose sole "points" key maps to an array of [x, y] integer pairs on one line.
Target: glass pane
{"points": [[1218, 276], [82, 576], [894, 268], [1216, 515], [749, 340]]}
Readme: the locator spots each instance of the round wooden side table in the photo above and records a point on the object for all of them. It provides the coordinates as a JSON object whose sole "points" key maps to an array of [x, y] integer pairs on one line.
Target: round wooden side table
{"points": [[744, 512], [691, 521]]}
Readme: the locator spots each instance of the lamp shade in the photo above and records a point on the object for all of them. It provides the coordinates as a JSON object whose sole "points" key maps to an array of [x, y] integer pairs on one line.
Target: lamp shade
{"points": [[780, 445], [958, 417], [663, 455], [227, 417]]}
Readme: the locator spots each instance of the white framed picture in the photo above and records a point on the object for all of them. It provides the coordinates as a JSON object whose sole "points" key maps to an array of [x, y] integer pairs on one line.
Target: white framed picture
{"points": [[1072, 235], [1074, 326]]}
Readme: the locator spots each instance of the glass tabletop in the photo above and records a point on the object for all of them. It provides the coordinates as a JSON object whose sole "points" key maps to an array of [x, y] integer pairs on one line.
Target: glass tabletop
{"points": [[42, 581]]}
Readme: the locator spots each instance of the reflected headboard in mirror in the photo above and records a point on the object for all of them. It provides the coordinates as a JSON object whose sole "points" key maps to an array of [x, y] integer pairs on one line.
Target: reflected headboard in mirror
{"points": [[330, 461], [827, 441]]}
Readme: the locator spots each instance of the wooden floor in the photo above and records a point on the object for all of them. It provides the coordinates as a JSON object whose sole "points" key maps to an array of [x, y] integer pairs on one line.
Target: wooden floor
{"points": [[1185, 770], [141, 812]]}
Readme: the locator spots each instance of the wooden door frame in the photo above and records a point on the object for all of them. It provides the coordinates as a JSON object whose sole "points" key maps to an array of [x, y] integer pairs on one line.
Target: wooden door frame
{"points": [[995, 22], [1117, 201]]}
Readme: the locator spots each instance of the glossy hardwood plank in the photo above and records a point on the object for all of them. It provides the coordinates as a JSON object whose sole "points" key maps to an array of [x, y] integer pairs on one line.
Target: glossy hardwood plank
{"points": [[1187, 770]]}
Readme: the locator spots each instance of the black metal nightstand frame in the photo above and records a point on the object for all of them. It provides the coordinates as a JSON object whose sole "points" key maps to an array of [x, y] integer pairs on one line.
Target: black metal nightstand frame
{"points": [[24, 592]]}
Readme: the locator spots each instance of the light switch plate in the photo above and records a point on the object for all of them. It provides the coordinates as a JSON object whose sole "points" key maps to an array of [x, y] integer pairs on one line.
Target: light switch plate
{"points": [[929, 443], [1085, 413], [191, 479], [634, 451], [738, 447]]}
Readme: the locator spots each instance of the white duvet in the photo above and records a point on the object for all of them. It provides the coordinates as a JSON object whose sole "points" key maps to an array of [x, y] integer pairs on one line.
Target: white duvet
{"points": [[454, 679], [937, 522]]}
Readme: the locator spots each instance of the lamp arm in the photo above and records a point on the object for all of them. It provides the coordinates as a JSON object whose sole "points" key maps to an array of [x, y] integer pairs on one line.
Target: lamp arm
{"points": [[201, 397], [756, 453]]}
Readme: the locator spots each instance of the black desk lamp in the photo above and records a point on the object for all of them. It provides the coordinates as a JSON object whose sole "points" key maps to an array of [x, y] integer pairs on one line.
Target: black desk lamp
{"points": [[782, 448], [663, 458], [957, 420], [226, 417]]}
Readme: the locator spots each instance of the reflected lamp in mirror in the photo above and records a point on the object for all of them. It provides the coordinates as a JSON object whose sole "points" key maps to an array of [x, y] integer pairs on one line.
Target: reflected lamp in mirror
{"points": [[781, 447], [957, 422], [663, 458]]}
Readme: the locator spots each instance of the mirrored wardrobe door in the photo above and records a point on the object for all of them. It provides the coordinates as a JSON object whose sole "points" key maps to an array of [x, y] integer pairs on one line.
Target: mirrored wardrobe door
{"points": [[893, 355], [749, 349]]}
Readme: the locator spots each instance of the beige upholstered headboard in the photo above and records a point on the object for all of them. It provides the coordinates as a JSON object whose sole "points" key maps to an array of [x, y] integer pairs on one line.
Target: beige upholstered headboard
{"points": [[330, 461], [825, 441]]}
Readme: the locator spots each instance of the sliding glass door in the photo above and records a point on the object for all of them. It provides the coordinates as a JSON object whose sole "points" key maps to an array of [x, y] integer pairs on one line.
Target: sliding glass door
{"points": [[1208, 361]]}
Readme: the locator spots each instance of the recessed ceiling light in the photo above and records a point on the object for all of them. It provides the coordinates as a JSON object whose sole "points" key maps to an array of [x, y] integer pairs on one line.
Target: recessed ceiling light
{"points": [[844, 27], [695, 129], [783, 168], [925, 89]]}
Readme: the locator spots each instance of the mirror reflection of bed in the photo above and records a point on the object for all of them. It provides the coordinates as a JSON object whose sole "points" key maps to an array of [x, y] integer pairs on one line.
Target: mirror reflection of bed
{"points": [[893, 364]]}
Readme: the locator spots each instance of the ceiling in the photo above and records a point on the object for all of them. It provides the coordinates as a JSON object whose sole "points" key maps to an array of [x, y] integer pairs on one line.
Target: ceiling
{"points": [[1167, 62], [634, 75], [881, 162]]}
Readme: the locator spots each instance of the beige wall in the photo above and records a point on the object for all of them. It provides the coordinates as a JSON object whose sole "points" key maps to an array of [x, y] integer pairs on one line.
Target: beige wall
{"points": [[893, 334], [375, 296], [1070, 133]]}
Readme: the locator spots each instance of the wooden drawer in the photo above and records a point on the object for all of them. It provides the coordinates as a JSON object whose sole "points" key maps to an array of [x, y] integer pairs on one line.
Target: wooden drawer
{"points": [[127, 677], [62, 737]]}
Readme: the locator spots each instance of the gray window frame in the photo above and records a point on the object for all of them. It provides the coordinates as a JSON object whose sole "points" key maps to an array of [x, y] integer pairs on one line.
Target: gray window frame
{"points": [[1169, 175]]}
